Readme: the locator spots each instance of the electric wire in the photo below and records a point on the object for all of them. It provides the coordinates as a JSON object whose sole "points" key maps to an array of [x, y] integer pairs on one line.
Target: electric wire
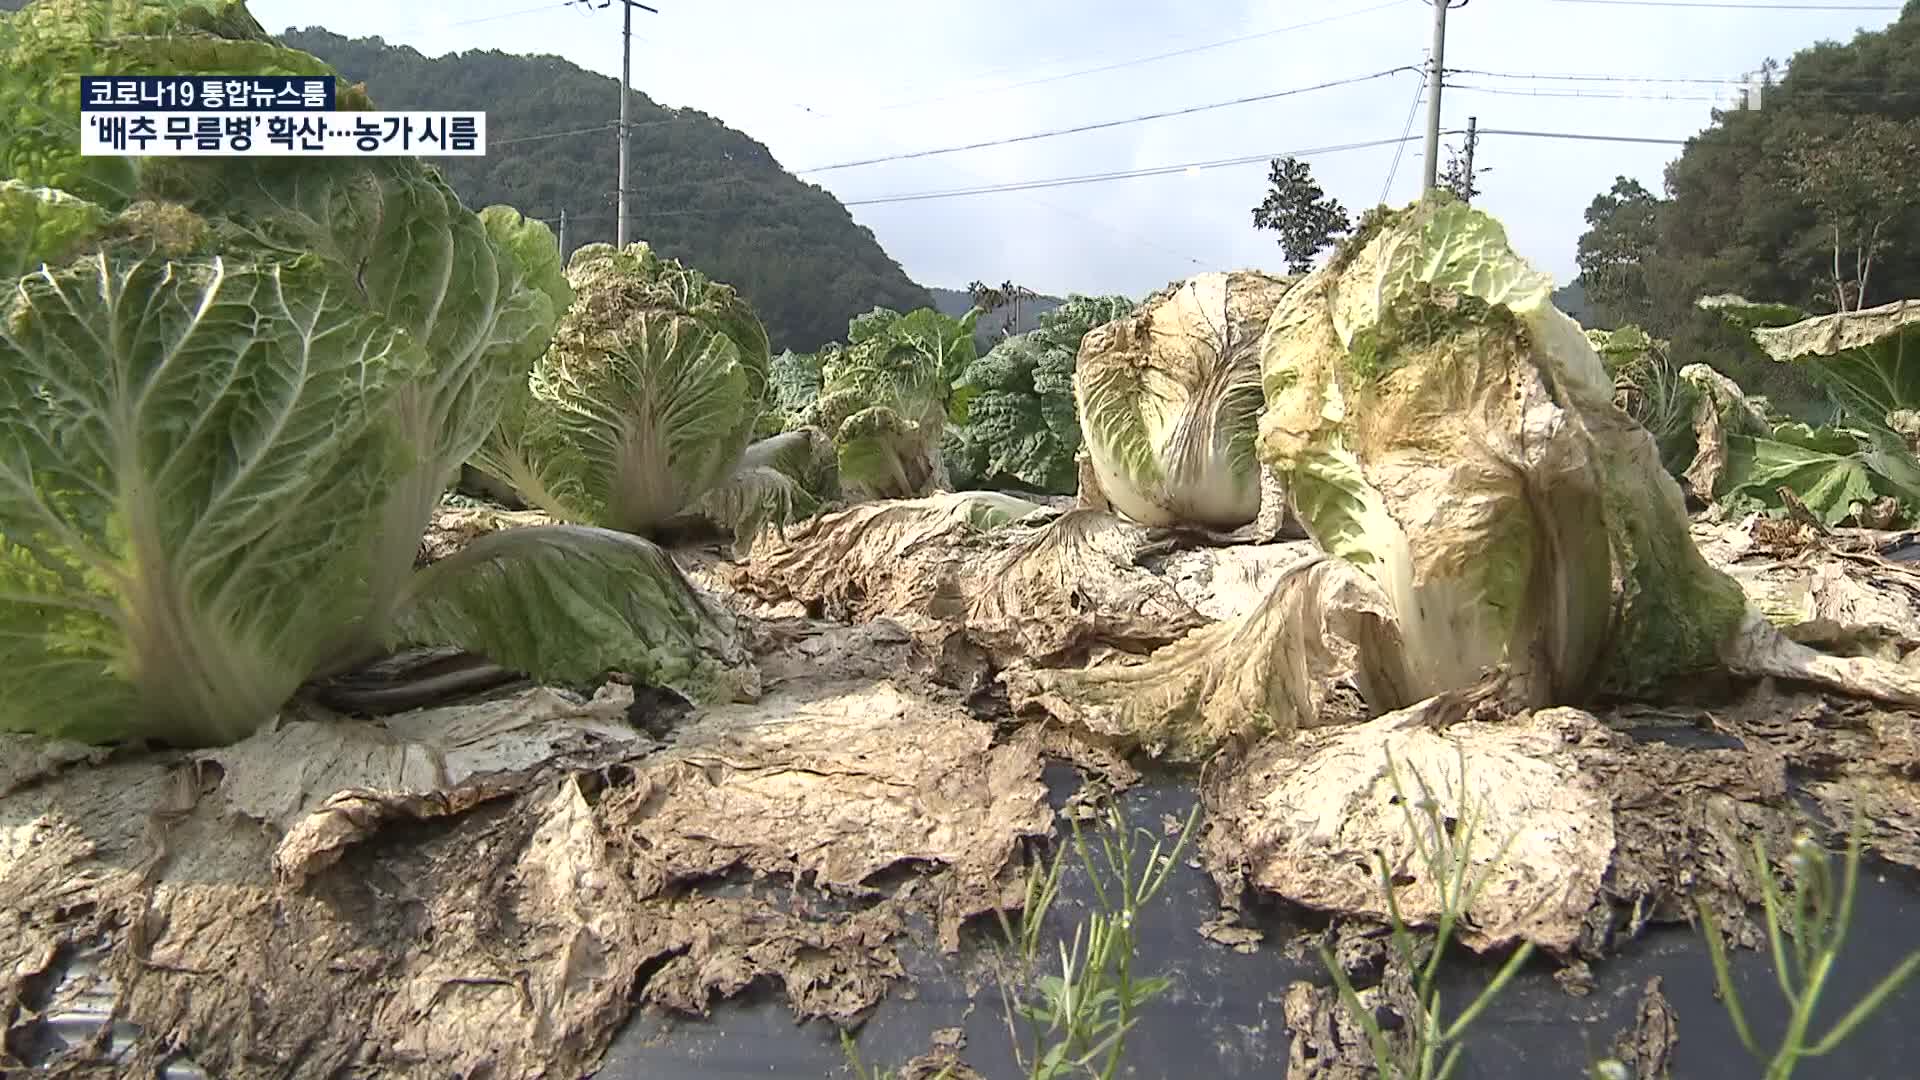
{"points": [[1118, 65], [1733, 6], [1178, 167], [1104, 124], [1121, 174], [504, 15], [1582, 137], [1406, 136]]}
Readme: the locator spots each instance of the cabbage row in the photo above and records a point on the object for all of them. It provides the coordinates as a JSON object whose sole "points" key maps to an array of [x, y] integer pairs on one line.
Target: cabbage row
{"points": [[1734, 451], [232, 393]]}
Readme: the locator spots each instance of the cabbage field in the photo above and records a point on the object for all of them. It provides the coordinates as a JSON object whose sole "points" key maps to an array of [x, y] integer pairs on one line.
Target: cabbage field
{"points": [[419, 657]]}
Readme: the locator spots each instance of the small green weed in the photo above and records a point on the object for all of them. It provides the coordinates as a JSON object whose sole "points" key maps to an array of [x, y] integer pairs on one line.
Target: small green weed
{"points": [[1431, 1047]]}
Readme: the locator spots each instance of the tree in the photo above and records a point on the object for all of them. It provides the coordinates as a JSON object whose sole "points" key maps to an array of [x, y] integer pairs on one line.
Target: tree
{"points": [[1306, 217], [1458, 175], [1009, 296], [1860, 181], [1622, 238], [985, 297]]}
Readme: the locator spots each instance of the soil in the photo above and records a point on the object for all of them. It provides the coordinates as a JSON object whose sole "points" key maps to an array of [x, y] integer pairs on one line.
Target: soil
{"points": [[542, 882]]}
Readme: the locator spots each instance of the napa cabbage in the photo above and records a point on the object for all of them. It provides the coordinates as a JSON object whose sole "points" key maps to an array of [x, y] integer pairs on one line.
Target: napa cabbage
{"points": [[1489, 524], [641, 414], [883, 399], [232, 393], [1168, 399], [1439, 424], [1013, 415]]}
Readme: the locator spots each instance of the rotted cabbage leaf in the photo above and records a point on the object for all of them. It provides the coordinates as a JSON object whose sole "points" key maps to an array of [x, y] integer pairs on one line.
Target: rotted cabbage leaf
{"points": [[1863, 468], [1869, 360]]}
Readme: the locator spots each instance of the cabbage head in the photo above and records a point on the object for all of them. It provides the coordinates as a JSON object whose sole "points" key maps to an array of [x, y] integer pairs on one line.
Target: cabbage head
{"points": [[232, 393], [1489, 522], [883, 400], [1441, 425], [642, 411], [642, 414], [1013, 407], [1168, 400]]}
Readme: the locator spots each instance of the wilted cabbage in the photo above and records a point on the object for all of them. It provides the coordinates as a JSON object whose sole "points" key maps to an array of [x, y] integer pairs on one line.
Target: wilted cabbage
{"points": [[1168, 399], [1443, 426], [1862, 357], [1862, 468], [1450, 441], [1865, 359], [232, 401]]}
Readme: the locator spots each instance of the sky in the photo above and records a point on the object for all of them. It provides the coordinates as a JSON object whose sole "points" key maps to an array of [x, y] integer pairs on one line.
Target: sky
{"points": [[843, 80]]}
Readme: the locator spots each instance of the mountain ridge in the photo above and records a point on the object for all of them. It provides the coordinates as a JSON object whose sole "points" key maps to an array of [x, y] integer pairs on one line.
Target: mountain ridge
{"points": [[705, 193]]}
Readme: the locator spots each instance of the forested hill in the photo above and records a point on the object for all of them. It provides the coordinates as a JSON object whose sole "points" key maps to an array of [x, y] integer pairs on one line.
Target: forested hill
{"points": [[705, 194], [1809, 200]]}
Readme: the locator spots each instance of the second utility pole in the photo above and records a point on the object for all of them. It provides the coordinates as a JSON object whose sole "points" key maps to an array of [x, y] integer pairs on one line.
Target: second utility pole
{"points": [[1473, 137], [626, 82], [1436, 70]]}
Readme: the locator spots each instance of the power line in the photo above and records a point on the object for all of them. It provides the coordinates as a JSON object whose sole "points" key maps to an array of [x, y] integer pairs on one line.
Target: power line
{"points": [[1157, 170], [1179, 167], [610, 125], [1218, 163], [1105, 226], [1785, 83], [1104, 123], [1406, 136], [1591, 95], [504, 15], [1558, 77], [1121, 174], [1116, 66], [1584, 138], [555, 134], [1734, 6], [1619, 95]]}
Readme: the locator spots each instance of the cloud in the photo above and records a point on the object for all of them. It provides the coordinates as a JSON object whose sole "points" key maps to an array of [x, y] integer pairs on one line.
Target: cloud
{"points": [[865, 78]]}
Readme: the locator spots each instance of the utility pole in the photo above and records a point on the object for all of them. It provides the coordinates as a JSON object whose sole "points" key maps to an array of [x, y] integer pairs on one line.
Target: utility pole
{"points": [[563, 236], [1436, 70], [1473, 136], [626, 85]]}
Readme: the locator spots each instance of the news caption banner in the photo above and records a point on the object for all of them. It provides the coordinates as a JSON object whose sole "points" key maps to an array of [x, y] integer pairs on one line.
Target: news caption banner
{"points": [[258, 116]]}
